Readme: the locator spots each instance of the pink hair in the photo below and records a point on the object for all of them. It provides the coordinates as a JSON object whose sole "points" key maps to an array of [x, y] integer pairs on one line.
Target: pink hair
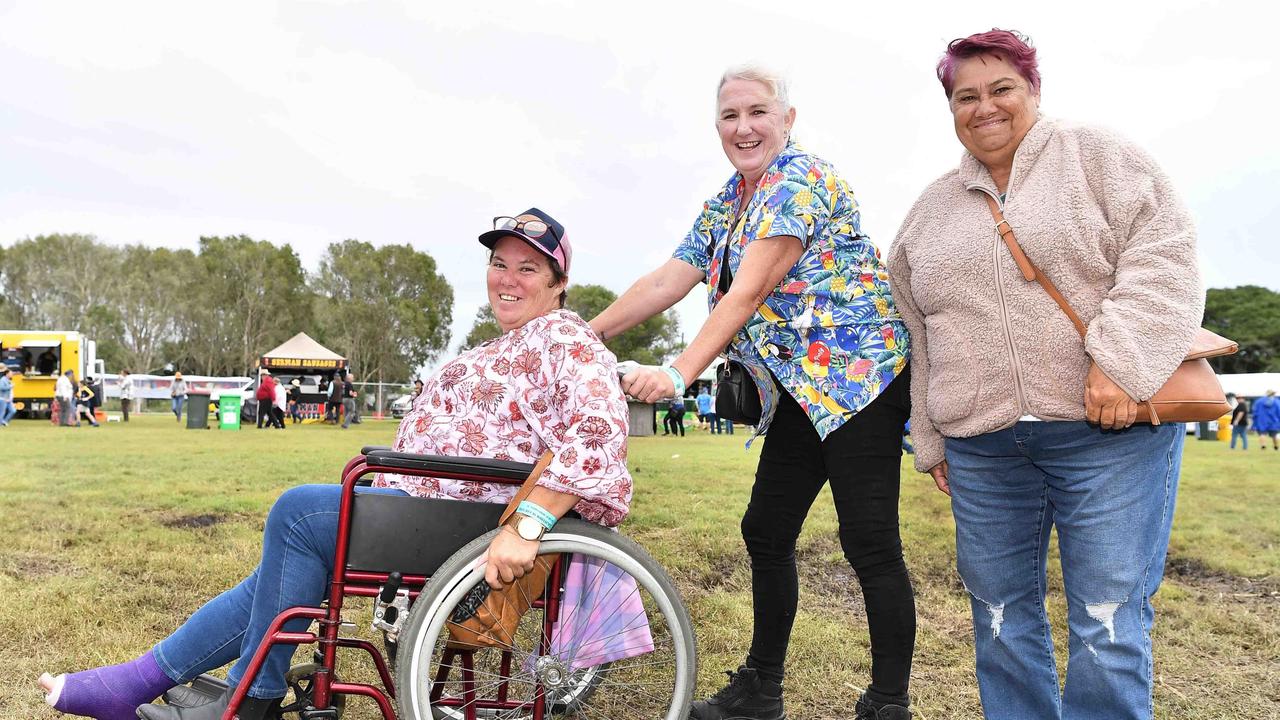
{"points": [[1011, 46]]}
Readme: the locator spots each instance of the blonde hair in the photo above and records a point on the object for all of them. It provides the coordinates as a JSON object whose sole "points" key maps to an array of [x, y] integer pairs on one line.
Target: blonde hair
{"points": [[772, 80]]}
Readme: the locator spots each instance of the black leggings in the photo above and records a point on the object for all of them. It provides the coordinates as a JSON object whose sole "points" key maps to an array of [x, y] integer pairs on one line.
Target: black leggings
{"points": [[673, 423], [862, 460]]}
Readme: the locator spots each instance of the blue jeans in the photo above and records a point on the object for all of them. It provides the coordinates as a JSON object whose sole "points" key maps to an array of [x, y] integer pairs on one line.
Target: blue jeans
{"points": [[298, 546], [7, 410], [1111, 497], [176, 406], [1242, 432]]}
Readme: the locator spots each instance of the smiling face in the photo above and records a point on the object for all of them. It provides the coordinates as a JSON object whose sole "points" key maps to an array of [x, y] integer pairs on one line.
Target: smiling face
{"points": [[993, 108], [753, 126], [521, 284]]}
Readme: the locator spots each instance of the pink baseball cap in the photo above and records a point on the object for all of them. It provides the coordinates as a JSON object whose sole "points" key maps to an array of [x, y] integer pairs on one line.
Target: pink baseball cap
{"points": [[552, 241]]}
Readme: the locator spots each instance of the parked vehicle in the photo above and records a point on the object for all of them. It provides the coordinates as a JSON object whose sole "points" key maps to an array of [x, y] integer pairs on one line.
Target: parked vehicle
{"points": [[37, 357], [401, 405]]}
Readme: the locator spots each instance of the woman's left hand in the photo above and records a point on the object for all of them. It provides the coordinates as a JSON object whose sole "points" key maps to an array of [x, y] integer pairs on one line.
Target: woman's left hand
{"points": [[1105, 404], [648, 384], [509, 557]]}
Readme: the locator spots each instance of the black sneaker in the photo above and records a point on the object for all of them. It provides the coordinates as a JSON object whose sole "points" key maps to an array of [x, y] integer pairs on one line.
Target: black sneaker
{"points": [[746, 697], [872, 710]]}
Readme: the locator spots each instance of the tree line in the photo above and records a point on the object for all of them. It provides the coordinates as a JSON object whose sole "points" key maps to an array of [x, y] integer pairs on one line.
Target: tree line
{"points": [[215, 310]]}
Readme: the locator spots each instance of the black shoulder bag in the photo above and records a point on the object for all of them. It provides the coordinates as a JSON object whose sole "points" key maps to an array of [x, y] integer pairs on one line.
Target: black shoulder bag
{"points": [[737, 398]]}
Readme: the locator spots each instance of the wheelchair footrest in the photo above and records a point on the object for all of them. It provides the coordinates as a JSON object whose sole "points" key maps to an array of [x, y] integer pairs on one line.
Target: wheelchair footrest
{"points": [[201, 690]]}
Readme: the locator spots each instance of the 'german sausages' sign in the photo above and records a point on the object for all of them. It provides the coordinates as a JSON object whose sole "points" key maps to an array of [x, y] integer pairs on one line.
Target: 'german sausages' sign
{"points": [[284, 362]]}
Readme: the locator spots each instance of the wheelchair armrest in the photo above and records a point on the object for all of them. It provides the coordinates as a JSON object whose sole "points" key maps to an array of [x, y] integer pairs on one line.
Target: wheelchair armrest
{"points": [[373, 448], [446, 466]]}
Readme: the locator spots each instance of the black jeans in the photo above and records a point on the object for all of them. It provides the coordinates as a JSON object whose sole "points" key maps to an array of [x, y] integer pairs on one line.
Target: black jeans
{"points": [[862, 460]]}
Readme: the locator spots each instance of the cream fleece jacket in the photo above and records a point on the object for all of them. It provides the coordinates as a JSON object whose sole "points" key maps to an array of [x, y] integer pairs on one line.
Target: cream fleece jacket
{"points": [[1100, 219]]}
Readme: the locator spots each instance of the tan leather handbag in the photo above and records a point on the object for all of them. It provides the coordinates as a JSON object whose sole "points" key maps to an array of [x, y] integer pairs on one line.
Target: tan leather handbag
{"points": [[1191, 394], [487, 618]]}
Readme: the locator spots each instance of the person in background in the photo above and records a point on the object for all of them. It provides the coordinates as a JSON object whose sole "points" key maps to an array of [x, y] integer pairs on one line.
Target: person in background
{"points": [[177, 395], [295, 400], [706, 418], [281, 400], [333, 405], [353, 396], [323, 390], [675, 416], [64, 392], [86, 402], [7, 408], [348, 401], [417, 390], [266, 397], [126, 393], [1266, 419], [1239, 421], [47, 363]]}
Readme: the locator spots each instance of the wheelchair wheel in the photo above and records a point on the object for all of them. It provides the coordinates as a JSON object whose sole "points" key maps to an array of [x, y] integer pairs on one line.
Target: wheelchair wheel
{"points": [[624, 648]]}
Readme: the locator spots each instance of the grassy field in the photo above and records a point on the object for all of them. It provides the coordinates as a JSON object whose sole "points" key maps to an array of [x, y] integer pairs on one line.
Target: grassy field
{"points": [[111, 536]]}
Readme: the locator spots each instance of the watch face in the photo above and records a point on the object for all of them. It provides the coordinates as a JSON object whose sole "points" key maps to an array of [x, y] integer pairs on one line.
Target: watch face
{"points": [[528, 528]]}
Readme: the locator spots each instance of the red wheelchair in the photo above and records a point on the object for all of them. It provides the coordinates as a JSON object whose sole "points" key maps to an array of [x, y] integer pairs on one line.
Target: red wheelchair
{"points": [[609, 638]]}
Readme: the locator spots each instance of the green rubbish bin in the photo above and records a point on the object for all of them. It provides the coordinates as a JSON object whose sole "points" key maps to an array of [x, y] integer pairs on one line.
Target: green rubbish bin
{"points": [[197, 411], [229, 412]]}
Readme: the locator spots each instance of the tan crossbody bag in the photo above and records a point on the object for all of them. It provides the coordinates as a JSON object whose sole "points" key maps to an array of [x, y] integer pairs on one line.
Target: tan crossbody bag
{"points": [[1191, 394], [486, 618]]}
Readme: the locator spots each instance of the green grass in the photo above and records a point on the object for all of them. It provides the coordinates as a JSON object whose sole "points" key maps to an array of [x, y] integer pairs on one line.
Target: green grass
{"points": [[113, 536]]}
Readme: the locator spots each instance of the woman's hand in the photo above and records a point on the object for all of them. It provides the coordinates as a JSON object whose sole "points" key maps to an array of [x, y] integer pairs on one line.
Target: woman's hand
{"points": [[648, 384], [509, 557], [939, 473], [1105, 403]]}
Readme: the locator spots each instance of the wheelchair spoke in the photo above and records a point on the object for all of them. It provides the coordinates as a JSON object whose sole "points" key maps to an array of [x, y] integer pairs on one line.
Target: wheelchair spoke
{"points": [[620, 647]]}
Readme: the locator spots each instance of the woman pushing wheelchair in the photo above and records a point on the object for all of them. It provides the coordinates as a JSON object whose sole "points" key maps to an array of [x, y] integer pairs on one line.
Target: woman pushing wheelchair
{"points": [[547, 384]]}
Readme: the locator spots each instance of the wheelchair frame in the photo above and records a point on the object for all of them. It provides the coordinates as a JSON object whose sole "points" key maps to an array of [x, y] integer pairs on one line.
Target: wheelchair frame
{"points": [[360, 583]]}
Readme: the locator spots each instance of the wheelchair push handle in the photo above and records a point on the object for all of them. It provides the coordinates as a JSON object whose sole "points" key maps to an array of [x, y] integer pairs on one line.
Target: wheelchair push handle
{"points": [[391, 588]]}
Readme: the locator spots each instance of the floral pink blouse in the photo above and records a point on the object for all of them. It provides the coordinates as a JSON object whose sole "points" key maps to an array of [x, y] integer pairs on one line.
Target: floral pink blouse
{"points": [[549, 384]]}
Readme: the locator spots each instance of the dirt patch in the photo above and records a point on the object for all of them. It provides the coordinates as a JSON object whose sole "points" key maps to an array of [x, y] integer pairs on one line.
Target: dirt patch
{"points": [[32, 567], [1196, 574], [205, 520]]}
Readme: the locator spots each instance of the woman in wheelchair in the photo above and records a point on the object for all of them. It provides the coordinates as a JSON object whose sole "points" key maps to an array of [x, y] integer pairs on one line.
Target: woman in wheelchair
{"points": [[548, 383]]}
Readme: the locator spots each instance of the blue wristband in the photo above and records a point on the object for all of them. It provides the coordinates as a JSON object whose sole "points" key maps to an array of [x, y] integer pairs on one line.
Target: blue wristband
{"points": [[537, 512], [676, 379]]}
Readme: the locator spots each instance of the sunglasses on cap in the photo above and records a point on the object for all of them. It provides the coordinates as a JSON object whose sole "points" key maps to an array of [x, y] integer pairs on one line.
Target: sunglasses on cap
{"points": [[529, 228]]}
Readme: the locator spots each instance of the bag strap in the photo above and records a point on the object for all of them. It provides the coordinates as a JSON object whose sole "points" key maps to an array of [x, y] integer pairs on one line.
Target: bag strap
{"points": [[529, 483], [1031, 272]]}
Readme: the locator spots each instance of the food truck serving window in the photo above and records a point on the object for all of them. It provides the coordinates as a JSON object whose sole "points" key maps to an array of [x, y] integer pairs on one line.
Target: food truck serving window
{"points": [[40, 357]]}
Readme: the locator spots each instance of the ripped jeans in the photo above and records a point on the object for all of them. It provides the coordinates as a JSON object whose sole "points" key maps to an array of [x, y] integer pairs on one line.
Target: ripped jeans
{"points": [[1111, 497]]}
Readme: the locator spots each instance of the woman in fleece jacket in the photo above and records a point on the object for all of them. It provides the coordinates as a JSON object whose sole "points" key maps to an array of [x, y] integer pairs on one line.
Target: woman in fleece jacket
{"points": [[1025, 426]]}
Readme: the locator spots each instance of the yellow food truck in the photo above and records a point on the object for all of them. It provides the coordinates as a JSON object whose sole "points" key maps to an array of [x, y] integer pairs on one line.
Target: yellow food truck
{"points": [[37, 357]]}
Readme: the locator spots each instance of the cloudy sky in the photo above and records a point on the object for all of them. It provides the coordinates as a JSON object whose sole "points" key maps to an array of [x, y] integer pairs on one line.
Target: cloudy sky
{"points": [[312, 122]]}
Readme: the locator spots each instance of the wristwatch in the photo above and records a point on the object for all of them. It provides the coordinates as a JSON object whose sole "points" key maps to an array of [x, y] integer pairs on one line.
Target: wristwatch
{"points": [[526, 527]]}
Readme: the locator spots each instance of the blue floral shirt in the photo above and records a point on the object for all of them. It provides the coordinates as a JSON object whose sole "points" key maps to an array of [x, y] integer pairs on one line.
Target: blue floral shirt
{"points": [[829, 332]]}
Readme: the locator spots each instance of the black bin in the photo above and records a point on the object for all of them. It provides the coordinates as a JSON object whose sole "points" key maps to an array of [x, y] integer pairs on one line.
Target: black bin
{"points": [[198, 411]]}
